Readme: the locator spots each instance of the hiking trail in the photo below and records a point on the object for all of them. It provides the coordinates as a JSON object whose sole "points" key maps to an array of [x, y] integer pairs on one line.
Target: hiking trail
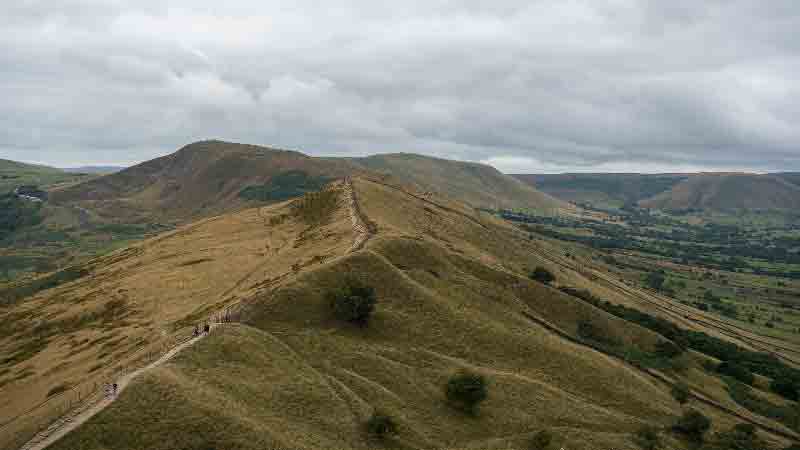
{"points": [[79, 416]]}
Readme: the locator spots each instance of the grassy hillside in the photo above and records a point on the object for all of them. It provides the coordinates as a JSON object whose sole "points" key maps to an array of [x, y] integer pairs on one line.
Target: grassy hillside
{"points": [[74, 326], [476, 184], [14, 174], [602, 189], [719, 191], [453, 293]]}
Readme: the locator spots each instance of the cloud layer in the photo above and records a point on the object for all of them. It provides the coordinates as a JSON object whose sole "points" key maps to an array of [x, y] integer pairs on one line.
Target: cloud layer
{"points": [[524, 85]]}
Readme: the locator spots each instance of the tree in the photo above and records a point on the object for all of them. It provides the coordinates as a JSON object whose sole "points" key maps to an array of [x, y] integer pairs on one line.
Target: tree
{"points": [[466, 390], [542, 275], [380, 425], [693, 424], [353, 303], [655, 280], [680, 391], [541, 440]]}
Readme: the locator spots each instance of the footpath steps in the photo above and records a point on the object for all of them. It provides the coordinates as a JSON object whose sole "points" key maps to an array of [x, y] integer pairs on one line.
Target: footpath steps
{"points": [[360, 227]]}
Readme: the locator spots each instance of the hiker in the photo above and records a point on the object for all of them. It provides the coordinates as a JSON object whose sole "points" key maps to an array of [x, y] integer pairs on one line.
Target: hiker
{"points": [[114, 388]]}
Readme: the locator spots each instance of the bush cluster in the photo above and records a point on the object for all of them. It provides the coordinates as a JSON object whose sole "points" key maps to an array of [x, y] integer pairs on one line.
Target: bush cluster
{"points": [[466, 390], [542, 275], [354, 303]]}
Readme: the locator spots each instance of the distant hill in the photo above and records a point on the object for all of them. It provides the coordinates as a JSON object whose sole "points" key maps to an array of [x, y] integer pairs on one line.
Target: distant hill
{"points": [[602, 189], [201, 179], [211, 177], [100, 170], [728, 191], [477, 184], [14, 174]]}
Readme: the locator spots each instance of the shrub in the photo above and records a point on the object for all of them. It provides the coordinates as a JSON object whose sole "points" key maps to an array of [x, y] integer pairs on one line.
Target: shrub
{"points": [[647, 438], [353, 303], [380, 425], [736, 371], [466, 390], [784, 388], [680, 392], [693, 424], [542, 275], [541, 440]]}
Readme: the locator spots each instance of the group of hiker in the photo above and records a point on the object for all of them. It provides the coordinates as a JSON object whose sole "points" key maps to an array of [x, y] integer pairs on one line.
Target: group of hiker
{"points": [[206, 330], [112, 388]]}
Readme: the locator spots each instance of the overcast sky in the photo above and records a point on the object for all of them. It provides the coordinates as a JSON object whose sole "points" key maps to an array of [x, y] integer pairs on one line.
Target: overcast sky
{"points": [[527, 86]]}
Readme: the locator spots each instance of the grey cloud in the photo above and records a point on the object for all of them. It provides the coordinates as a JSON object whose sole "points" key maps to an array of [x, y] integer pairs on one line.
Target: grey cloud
{"points": [[523, 85]]}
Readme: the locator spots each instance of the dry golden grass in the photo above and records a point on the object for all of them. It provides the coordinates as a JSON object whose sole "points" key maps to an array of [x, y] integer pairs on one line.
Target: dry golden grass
{"points": [[160, 286], [452, 294]]}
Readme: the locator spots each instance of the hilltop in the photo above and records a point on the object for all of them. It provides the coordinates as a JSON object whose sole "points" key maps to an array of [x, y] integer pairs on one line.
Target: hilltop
{"points": [[477, 184], [728, 191], [453, 293], [202, 179]]}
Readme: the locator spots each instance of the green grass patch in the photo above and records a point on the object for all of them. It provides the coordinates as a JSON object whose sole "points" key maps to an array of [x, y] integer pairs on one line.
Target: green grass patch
{"points": [[284, 186]]}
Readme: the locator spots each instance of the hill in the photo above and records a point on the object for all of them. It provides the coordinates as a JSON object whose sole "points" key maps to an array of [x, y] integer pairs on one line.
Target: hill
{"points": [[14, 174], [202, 179], [477, 184], [728, 191], [602, 189], [453, 293], [211, 177]]}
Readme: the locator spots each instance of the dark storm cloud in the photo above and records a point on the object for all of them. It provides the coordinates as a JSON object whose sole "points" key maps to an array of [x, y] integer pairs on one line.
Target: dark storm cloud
{"points": [[526, 86]]}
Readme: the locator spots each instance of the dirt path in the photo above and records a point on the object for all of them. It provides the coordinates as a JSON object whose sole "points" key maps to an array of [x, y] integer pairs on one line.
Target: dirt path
{"points": [[76, 418], [360, 226]]}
